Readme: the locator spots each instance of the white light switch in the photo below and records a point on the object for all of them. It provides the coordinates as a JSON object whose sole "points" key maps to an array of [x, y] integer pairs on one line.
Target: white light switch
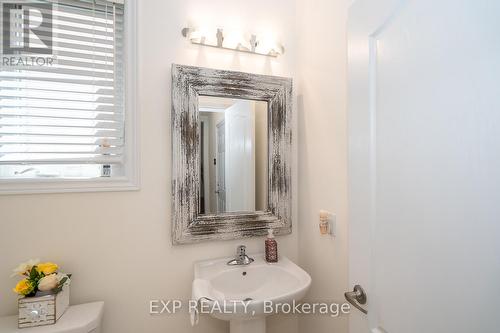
{"points": [[333, 225]]}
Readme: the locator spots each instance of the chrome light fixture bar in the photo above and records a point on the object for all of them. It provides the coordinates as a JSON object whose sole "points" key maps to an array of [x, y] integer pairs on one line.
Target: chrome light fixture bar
{"points": [[218, 39]]}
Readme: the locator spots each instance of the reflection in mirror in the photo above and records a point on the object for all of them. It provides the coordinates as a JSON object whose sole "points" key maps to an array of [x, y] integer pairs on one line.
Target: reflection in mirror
{"points": [[233, 155]]}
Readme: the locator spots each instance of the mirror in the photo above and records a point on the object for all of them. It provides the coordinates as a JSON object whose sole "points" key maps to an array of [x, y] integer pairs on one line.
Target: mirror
{"points": [[233, 155]]}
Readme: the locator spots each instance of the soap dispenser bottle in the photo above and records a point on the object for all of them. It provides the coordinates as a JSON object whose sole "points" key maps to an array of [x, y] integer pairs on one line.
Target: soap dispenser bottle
{"points": [[271, 247]]}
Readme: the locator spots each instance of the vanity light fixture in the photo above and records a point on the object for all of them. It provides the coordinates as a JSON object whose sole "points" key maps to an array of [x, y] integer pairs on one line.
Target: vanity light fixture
{"points": [[234, 42]]}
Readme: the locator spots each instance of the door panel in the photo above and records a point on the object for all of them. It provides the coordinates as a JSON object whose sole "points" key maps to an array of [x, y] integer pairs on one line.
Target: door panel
{"points": [[221, 167], [240, 157], [425, 164]]}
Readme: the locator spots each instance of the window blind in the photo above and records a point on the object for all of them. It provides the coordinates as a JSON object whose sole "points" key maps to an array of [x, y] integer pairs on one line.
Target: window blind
{"points": [[71, 112]]}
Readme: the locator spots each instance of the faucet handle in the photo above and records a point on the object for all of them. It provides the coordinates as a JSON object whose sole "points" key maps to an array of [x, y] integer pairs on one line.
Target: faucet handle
{"points": [[241, 250], [241, 257]]}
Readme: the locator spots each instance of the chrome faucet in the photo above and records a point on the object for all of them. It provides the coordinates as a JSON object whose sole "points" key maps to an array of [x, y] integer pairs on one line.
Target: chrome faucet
{"points": [[241, 257]]}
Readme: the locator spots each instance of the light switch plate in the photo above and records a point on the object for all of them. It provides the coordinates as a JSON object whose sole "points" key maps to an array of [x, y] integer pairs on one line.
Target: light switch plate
{"points": [[333, 225]]}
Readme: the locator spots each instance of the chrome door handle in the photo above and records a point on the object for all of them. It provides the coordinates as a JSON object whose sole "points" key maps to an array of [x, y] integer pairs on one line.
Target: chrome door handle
{"points": [[356, 296]]}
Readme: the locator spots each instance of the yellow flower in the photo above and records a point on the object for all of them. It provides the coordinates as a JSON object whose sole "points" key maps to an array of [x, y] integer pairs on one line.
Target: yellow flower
{"points": [[47, 268], [24, 287]]}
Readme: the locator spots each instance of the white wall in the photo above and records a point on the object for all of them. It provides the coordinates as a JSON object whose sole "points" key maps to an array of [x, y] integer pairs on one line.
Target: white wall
{"points": [[261, 155], [117, 245], [322, 126]]}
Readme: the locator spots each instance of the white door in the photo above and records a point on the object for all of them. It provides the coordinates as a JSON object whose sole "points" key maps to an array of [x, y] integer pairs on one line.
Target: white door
{"points": [[424, 154], [240, 156], [221, 167]]}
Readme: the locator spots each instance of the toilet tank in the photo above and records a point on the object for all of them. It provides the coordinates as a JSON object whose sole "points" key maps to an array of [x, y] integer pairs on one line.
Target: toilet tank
{"points": [[83, 318]]}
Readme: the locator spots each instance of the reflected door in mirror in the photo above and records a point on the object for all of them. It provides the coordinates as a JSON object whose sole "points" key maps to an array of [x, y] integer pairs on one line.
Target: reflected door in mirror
{"points": [[221, 167], [234, 155]]}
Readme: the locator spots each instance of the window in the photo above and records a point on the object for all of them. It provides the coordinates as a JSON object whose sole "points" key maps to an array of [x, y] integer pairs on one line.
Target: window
{"points": [[64, 116]]}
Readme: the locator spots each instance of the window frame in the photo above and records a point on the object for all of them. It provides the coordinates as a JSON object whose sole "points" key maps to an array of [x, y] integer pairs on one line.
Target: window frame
{"points": [[131, 179]]}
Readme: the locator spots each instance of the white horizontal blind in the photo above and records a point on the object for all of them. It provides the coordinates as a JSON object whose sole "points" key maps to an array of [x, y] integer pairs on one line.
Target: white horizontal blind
{"points": [[69, 114]]}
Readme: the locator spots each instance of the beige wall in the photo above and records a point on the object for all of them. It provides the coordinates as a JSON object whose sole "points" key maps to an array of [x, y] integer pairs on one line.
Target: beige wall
{"points": [[117, 245], [322, 152]]}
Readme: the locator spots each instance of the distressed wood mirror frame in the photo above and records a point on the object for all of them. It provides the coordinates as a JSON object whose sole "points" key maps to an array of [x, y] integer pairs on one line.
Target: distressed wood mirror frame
{"points": [[188, 83]]}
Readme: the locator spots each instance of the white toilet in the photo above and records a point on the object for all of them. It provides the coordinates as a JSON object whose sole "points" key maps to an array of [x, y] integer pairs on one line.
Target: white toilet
{"points": [[83, 318]]}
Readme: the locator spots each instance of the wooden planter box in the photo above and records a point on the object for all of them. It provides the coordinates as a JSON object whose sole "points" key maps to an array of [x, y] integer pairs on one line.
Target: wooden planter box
{"points": [[42, 310]]}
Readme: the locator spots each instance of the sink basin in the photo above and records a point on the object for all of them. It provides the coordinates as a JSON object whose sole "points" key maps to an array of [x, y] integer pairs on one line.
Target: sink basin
{"points": [[244, 295]]}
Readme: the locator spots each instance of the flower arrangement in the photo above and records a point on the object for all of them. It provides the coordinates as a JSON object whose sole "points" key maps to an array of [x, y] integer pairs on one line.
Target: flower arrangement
{"points": [[43, 277]]}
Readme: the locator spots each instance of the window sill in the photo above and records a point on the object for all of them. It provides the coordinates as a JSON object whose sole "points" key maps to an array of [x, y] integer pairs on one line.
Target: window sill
{"points": [[34, 186]]}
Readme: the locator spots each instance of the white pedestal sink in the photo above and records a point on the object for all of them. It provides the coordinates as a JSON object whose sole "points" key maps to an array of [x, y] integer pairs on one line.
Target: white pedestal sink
{"points": [[240, 294]]}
